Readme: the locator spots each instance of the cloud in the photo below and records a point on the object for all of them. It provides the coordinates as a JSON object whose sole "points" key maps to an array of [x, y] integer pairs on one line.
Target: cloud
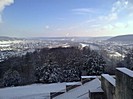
{"points": [[119, 6], [83, 10], [123, 6], [59, 29], [131, 15], [0, 18], [131, 1], [130, 9], [114, 14], [113, 21], [95, 25], [119, 25], [90, 20], [109, 18], [3, 4], [47, 27]]}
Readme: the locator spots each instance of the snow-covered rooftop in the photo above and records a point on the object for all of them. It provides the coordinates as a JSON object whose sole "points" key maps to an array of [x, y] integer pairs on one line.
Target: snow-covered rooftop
{"points": [[81, 92], [109, 78], [126, 71]]}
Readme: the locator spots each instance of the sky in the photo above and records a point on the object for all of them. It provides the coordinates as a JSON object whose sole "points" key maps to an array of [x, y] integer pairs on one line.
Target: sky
{"points": [[65, 18]]}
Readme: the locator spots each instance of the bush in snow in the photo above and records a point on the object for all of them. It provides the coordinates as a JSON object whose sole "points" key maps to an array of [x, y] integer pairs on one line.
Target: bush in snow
{"points": [[11, 78]]}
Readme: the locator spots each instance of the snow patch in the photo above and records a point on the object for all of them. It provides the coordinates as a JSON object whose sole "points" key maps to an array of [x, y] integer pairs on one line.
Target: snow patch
{"points": [[88, 76], [74, 83], [109, 78], [126, 71]]}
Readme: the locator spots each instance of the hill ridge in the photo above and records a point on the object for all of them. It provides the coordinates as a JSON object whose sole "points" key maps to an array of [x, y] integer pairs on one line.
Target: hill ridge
{"points": [[122, 38]]}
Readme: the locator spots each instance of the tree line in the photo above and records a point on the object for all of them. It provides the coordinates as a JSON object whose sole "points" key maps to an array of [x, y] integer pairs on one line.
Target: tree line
{"points": [[50, 65], [127, 61]]}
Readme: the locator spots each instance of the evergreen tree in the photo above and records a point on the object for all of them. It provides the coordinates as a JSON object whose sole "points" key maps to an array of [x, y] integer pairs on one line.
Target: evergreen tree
{"points": [[128, 60], [11, 78], [94, 64]]}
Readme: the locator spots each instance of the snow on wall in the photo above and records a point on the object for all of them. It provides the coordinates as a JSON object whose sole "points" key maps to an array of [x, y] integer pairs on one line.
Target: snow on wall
{"points": [[126, 71], [109, 78], [74, 83], [88, 76]]}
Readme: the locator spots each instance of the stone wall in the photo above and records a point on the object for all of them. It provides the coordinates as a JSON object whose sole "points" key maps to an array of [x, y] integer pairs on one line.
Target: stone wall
{"points": [[124, 83], [108, 86], [96, 93]]}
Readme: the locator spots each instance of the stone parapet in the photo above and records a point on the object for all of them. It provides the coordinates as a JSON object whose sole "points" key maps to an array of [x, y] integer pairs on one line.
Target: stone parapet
{"points": [[108, 86], [124, 83]]}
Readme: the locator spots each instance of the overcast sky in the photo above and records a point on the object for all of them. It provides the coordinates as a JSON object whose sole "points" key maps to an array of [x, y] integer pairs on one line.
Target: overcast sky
{"points": [[37, 18]]}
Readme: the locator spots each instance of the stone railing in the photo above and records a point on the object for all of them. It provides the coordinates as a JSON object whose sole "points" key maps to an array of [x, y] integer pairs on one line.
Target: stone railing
{"points": [[96, 93], [72, 85], [108, 86], [120, 87], [124, 83], [85, 79]]}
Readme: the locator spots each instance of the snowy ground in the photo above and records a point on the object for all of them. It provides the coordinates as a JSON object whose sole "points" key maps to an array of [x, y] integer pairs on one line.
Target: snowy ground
{"points": [[42, 91], [34, 91]]}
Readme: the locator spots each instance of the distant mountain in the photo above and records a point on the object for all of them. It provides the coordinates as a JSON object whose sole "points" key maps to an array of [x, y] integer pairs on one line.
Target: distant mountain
{"points": [[122, 38], [71, 38], [101, 38], [5, 38]]}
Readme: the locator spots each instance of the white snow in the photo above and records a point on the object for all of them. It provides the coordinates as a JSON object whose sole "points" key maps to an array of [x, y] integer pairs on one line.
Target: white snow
{"points": [[97, 90], [81, 92], [88, 76], [2, 45], [83, 45], [126, 71], [109, 78], [115, 54], [74, 83], [10, 42], [42, 91], [34, 91]]}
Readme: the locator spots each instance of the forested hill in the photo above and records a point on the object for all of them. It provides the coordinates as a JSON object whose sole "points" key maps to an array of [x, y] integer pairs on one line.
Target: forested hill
{"points": [[51, 65], [122, 38]]}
